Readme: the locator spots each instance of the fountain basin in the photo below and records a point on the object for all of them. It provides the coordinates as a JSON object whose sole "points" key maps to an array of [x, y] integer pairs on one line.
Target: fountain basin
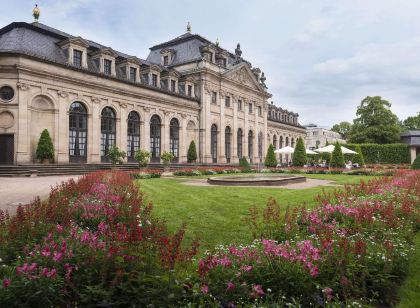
{"points": [[256, 180]]}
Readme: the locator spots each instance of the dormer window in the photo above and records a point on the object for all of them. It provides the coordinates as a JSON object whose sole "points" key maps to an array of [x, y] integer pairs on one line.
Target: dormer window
{"points": [[168, 56], [133, 74], [154, 80], [77, 57], [189, 90], [165, 60], [104, 59], [76, 50], [107, 67]]}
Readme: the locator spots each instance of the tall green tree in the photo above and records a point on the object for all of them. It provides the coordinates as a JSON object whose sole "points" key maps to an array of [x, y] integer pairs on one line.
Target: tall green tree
{"points": [[192, 152], [343, 128], [412, 122], [337, 157], [45, 148], [270, 158], [299, 156], [358, 158], [375, 122]]}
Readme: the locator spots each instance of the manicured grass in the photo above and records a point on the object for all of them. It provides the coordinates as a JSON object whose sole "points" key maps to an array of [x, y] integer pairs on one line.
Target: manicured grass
{"points": [[215, 214], [409, 292]]}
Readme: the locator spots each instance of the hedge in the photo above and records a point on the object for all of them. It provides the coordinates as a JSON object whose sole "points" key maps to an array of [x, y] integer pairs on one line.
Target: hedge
{"points": [[397, 153]]}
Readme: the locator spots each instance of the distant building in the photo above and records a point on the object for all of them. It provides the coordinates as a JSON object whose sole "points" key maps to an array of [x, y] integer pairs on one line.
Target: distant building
{"points": [[317, 137], [412, 138]]}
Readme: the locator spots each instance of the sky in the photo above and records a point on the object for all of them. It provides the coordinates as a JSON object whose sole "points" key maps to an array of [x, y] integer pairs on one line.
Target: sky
{"points": [[320, 57]]}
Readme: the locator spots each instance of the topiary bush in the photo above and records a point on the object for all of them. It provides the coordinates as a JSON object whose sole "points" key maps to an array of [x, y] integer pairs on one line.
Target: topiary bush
{"points": [[337, 157], [45, 148], [299, 156], [192, 152], [416, 163], [244, 164], [397, 153], [358, 158], [270, 158]]}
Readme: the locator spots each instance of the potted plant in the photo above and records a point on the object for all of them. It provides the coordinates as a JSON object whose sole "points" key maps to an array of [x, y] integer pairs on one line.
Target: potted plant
{"points": [[45, 148], [167, 159], [142, 157], [115, 155]]}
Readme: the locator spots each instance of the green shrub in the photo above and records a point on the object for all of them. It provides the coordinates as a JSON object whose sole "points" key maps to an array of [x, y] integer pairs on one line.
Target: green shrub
{"points": [[45, 149], [192, 152], [143, 176], [358, 158], [270, 158], [167, 158], [244, 164], [397, 153], [416, 163], [115, 155], [142, 157], [337, 158], [299, 156]]}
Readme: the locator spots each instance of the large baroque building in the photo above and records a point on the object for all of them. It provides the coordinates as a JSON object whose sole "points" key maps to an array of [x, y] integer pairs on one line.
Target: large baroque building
{"points": [[91, 97], [318, 137]]}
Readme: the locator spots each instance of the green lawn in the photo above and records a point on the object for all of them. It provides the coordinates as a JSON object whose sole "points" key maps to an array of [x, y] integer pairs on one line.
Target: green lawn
{"points": [[215, 214]]}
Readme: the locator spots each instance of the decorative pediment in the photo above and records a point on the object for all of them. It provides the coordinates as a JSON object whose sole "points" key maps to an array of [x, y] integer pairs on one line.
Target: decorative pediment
{"points": [[243, 75], [79, 41], [108, 51]]}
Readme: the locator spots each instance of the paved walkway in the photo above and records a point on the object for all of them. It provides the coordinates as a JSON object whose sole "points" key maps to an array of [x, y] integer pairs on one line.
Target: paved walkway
{"points": [[22, 190]]}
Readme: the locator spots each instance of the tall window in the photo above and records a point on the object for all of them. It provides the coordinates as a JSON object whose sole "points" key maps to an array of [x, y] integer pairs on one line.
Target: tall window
{"points": [[260, 145], [250, 145], [275, 141], [293, 143], [213, 143], [108, 132], [259, 111], [214, 97], [173, 85], [239, 105], [154, 80], [133, 135], [174, 139], [77, 58], [165, 60], [155, 138], [133, 74], [228, 141], [77, 133], [107, 66], [227, 101], [189, 90], [250, 107], [239, 141]]}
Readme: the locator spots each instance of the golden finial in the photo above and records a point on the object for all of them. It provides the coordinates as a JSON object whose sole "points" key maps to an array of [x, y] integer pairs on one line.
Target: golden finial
{"points": [[217, 42], [189, 27], [36, 12]]}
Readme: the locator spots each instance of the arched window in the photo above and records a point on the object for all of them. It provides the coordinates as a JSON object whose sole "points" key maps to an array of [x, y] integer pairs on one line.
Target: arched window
{"points": [[155, 138], [133, 135], [260, 145], [275, 142], [239, 145], [250, 145], [108, 132], [292, 143], [287, 144], [228, 137], [77, 133], [174, 139], [213, 141]]}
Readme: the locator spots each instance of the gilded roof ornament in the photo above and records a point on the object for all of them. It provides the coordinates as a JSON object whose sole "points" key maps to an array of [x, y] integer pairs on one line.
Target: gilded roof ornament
{"points": [[36, 12]]}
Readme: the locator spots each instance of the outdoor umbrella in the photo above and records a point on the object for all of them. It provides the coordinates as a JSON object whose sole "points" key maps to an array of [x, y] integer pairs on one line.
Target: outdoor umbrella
{"points": [[310, 152], [285, 150], [330, 149]]}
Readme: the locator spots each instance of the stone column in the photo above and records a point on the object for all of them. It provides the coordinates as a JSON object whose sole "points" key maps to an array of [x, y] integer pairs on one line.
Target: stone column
{"points": [[165, 132], [146, 130], [221, 155], [122, 129], [62, 128], [413, 153], [183, 140], [246, 130], [234, 145], [23, 137], [94, 132], [266, 142], [205, 126]]}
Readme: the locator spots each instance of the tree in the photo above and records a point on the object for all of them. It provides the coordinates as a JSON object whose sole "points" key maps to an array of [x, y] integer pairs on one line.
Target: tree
{"points": [[299, 155], [244, 164], [192, 152], [45, 148], [358, 158], [115, 155], [375, 122], [343, 128], [412, 122], [416, 163], [337, 158], [270, 158], [142, 157]]}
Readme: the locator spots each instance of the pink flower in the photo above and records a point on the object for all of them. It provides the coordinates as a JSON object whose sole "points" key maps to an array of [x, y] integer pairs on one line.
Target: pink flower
{"points": [[205, 289], [57, 256], [225, 262], [230, 286], [257, 290], [328, 292], [6, 282], [59, 228], [46, 251], [246, 268], [52, 273]]}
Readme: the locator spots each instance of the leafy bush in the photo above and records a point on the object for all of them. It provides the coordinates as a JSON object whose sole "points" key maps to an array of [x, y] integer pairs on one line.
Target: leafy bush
{"points": [[299, 156], [45, 148], [115, 155], [384, 153], [358, 158], [337, 158], [148, 174], [142, 157], [167, 158], [244, 164], [192, 152], [416, 163], [270, 158]]}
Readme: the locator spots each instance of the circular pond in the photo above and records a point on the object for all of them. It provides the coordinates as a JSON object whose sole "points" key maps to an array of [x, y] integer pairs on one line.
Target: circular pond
{"points": [[256, 180]]}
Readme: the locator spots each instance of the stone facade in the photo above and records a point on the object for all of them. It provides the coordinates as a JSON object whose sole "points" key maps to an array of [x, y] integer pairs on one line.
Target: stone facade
{"points": [[91, 97], [317, 137]]}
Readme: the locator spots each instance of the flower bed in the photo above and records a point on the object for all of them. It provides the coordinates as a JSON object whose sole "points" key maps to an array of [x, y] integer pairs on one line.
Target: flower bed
{"points": [[147, 174], [352, 249], [92, 243]]}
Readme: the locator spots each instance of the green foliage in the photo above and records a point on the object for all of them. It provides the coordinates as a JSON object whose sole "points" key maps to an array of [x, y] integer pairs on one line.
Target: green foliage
{"points": [[270, 158], [412, 122], [299, 156], [343, 128], [337, 157], [375, 122], [358, 158], [167, 158], [416, 163], [192, 152], [45, 149], [115, 155], [244, 164], [383, 153], [142, 157]]}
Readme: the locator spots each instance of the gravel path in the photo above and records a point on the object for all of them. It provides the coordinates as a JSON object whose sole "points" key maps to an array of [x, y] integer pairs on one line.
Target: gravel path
{"points": [[22, 190]]}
